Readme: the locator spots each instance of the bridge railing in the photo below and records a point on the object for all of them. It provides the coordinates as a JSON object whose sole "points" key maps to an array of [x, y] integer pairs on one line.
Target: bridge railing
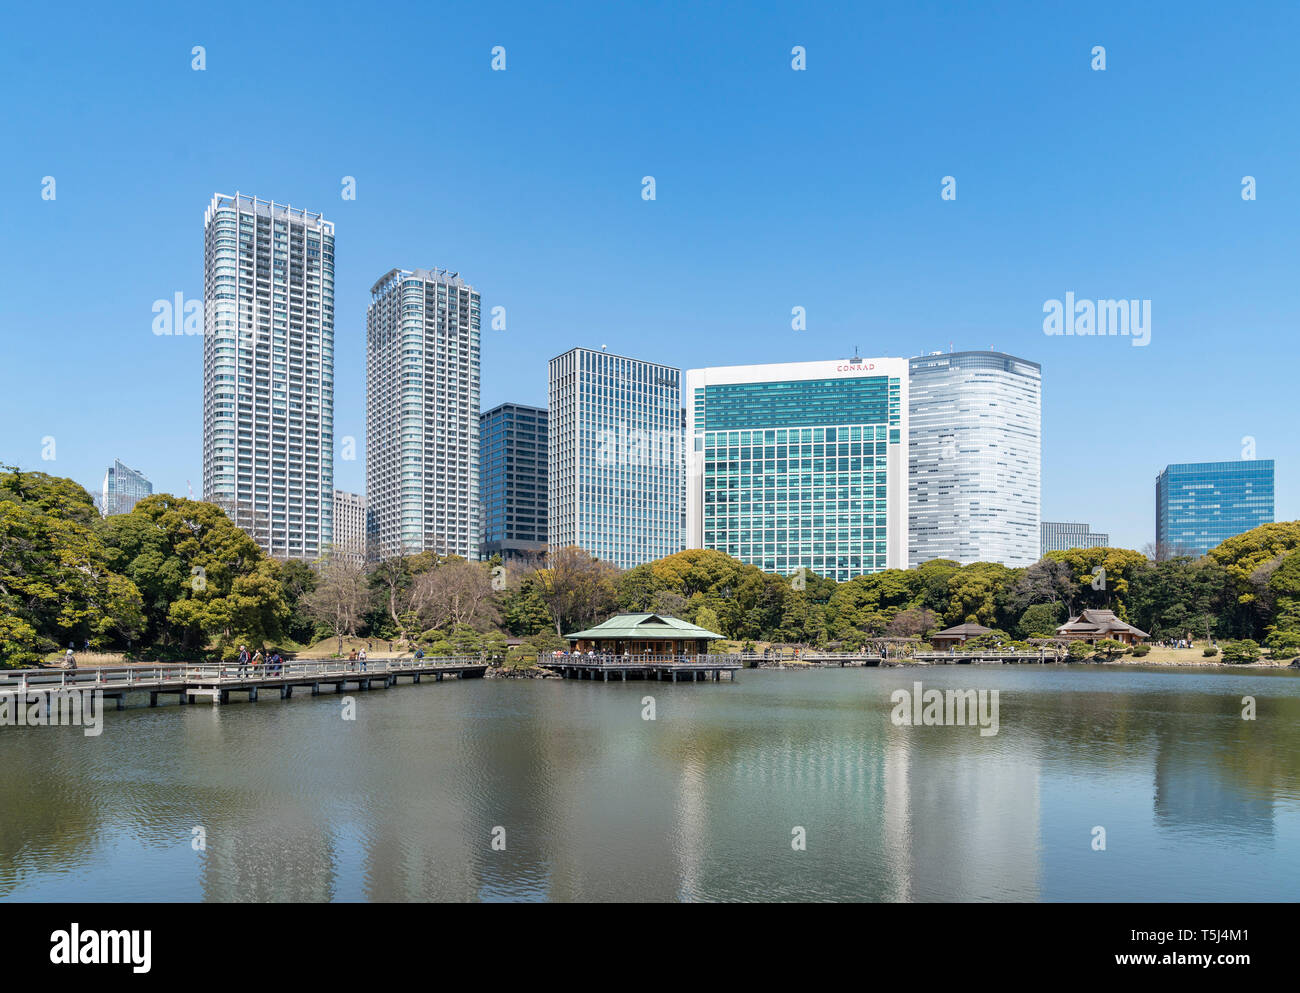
{"points": [[127, 676]]}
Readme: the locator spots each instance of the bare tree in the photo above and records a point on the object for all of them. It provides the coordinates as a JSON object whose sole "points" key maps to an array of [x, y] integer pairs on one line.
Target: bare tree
{"points": [[340, 597], [577, 588], [456, 593]]}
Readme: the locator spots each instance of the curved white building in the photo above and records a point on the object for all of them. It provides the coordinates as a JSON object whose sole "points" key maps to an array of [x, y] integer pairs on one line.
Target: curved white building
{"points": [[974, 458]]}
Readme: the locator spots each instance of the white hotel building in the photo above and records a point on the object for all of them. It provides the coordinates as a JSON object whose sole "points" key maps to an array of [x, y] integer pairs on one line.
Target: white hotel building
{"points": [[422, 414], [800, 465], [268, 372]]}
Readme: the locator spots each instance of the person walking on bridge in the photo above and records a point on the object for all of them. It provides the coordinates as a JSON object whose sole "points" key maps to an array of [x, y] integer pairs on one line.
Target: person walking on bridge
{"points": [[243, 660], [361, 657]]}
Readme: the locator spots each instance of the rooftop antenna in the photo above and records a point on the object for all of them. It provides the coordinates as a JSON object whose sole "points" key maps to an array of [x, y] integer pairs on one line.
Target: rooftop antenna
{"points": [[603, 347]]}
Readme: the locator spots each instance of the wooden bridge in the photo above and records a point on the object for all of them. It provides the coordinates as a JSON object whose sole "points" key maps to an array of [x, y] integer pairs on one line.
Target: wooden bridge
{"points": [[215, 682], [676, 668]]}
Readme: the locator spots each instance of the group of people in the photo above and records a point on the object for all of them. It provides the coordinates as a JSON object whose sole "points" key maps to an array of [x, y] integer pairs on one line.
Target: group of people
{"points": [[358, 657], [274, 663]]}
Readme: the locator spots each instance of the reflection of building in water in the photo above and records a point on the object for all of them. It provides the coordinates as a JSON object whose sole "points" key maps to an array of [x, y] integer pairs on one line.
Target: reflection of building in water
{"points": [[291, 858], [1193, 792], [961, 816]]}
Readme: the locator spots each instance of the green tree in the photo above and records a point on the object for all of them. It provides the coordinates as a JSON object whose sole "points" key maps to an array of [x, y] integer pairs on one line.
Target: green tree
{"points": [[1040, 621], [57, 581]]}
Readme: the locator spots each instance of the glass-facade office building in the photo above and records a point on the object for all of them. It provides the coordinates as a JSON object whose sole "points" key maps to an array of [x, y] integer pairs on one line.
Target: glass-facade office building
{"points": [[614, 457], [512, 481], [800, 465], [975, 458], [1200, 504], [1061, 536], [123, 489]]}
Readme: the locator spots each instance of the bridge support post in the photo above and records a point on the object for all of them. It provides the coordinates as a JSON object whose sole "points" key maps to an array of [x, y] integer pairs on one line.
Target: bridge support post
{"points": [[284, 692], [437, 677], [415, 678], [184, 698], [153, 698], [252, 694], [223, 696], [338, 687], [315, 689]]}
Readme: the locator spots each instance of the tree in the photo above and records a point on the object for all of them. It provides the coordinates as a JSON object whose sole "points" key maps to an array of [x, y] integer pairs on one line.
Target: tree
{"points": [[204, 580], [456, 593], [577, 588], [914, 622], [339, 598], [57, 581], [707, 619], [1040, 621], [297, 581]]}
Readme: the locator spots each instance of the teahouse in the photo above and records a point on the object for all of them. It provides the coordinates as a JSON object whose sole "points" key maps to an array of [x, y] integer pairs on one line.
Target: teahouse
{"points": [[1094, 625], [956, 635], [643, 634]]}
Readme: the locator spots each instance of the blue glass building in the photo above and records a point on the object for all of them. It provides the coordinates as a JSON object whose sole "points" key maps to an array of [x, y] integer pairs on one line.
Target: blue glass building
{"points": [[1200, 504], [512, 481]]}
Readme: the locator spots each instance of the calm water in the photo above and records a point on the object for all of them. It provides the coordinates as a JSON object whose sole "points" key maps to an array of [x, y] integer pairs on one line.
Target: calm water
{"points": [[598, 804]]}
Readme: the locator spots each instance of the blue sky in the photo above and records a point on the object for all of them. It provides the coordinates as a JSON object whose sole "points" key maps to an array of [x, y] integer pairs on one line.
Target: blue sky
{"points": [[775, 189]]}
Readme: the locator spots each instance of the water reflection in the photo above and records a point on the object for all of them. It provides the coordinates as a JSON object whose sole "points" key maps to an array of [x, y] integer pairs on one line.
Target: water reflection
{"points": [[588, 801]]}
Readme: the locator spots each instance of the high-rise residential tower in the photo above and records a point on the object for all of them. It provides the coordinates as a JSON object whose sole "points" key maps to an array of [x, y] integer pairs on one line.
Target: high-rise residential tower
{"points": [[1200, 504], [974, 458], [512, 481], [350, 527], [123, 489], [1060, 536], [801, 465], [614, 466], [422, 413], [268, 372]]}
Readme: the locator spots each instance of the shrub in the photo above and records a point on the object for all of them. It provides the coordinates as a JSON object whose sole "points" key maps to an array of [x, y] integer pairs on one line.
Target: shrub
{"points": [[1078, 650], [1210, 652], [1140, 651], [1245, 650], [1283, 644], [1109, 648]]}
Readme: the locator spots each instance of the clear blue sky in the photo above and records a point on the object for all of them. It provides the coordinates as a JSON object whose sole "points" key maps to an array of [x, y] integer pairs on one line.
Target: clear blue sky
{"points": [[775, 188]]}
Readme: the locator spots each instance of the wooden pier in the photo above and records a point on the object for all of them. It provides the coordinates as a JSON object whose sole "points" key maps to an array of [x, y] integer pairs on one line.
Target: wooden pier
{"points": [[192, 682], [680, 668]]}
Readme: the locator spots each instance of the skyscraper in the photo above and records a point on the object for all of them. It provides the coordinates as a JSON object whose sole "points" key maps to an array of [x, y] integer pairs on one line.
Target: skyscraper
{"points": [[800, 465], [268, 372], [1060, 536], [512, 487], [350, 527], [123, 489], [1200, 504], [974, 458], [614, 470], [422, 413]]}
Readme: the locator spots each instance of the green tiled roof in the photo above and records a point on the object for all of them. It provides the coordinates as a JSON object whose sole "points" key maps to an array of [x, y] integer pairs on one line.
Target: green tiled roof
{"points": [[646, 627]]}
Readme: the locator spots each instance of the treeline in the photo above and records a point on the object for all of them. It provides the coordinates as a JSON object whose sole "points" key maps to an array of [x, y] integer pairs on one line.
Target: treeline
{"points": [[175, 578]]}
